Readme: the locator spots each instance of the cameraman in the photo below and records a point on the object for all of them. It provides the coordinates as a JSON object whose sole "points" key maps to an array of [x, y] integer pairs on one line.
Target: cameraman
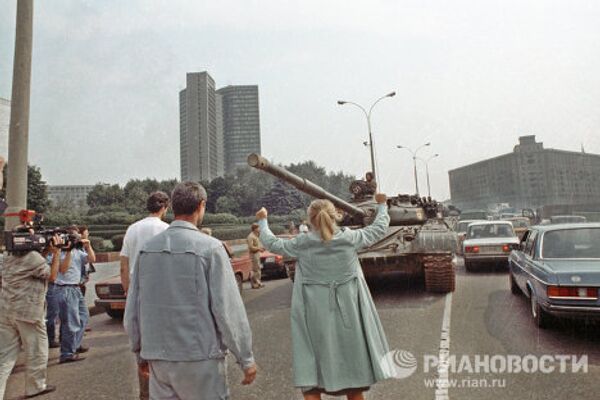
{"points": [[22, 312], [72, 309]]}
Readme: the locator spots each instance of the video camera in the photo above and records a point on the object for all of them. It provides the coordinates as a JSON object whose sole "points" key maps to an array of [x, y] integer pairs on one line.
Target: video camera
{"points": [[33, 236]]}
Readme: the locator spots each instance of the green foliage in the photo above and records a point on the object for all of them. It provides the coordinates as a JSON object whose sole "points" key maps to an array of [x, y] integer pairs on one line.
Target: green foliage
{"points": [[227, 204], [281, 199], [105, 195], [222, 218], [37, 190], [98, 244], [117, 242]]}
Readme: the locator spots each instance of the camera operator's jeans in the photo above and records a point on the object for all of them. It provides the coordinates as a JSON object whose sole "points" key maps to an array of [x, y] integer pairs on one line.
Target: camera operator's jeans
{"points": [[51, 311], [30, 335], [72, 319]]}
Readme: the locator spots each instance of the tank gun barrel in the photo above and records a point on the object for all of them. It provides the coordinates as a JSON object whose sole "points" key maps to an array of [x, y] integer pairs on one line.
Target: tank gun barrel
{"points": [[302, 184]]}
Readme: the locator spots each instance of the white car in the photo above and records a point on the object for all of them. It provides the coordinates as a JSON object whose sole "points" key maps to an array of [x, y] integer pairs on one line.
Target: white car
{"points": [[488, 242]]}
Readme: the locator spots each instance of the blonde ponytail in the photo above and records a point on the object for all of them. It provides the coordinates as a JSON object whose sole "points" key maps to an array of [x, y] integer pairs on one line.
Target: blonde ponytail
{"points": [[323, 217]]}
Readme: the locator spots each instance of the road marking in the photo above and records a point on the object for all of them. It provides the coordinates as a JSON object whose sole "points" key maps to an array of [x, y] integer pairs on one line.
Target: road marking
{"points": [[441, 389]]}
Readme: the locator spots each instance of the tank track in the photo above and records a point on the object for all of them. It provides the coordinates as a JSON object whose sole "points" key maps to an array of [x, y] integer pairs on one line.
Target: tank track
{"points": [[440, 275]]}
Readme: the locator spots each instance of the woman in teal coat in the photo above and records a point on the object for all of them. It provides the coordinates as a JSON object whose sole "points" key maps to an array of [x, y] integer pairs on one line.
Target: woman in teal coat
{"points": [[338, 342]]}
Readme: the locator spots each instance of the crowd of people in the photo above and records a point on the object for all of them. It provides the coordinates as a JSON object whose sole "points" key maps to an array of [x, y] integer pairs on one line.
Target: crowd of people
{"points": [[184, 312], [39, 290]]}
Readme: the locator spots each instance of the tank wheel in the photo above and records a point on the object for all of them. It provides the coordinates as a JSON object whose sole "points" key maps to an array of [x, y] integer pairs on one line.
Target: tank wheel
{"points": [[439, 273]]}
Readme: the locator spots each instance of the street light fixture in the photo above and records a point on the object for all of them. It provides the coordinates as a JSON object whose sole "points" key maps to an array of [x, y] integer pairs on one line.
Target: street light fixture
{"points": [[426, 161], [414, 154], [368, 116]]}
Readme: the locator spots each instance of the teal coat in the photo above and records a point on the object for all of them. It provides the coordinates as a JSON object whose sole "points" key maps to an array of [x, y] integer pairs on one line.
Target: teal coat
{"points": [[338, 341]]}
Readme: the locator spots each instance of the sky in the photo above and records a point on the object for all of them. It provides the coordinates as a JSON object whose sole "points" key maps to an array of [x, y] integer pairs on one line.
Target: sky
{"points": [[471, 76]]}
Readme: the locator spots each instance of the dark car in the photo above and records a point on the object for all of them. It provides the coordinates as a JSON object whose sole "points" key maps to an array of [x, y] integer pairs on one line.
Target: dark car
{"points": [[558, 268]]}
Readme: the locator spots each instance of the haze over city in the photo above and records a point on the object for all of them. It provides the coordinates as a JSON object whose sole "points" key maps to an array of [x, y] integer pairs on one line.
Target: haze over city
{"points": [[470, 78]]}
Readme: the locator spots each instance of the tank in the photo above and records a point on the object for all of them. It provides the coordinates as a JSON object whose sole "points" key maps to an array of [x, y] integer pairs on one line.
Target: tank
{"points": [[419, 243]]}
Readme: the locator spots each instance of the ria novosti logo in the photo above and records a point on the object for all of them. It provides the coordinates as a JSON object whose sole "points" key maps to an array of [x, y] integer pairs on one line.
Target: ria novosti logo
{"points": [[398, 364], [401, 364]]}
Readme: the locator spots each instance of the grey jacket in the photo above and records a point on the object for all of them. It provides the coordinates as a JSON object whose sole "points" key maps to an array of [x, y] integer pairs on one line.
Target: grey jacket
{"points": [[183, 302], [24, 286]]}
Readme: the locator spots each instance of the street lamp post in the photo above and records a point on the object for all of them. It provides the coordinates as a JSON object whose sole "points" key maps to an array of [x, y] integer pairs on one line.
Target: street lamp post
{"points": [[426, 161], [414, 154], [368, 116]]}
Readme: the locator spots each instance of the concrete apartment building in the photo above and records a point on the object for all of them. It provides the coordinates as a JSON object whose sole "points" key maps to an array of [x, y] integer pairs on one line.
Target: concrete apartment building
{"points": [[218, 128], [4, 126], [529, 177], [71, 195], [241, 124]]}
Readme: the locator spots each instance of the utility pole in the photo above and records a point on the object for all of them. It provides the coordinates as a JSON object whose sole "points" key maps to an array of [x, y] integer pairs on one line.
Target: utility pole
{"points": [[18, 139]]}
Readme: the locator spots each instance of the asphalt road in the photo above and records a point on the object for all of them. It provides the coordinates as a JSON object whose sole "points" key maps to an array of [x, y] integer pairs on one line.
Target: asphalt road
{"points": [[482, 319]]}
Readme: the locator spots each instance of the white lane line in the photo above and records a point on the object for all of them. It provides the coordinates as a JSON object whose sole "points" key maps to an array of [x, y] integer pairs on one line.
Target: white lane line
{"points": [[441, 389]]}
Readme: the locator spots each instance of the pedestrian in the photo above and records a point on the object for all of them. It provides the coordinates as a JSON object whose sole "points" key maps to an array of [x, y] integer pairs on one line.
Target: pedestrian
{"points": [[140, 232], [89, 267], [371, 183], [255, 248], [184, 310], [338, 342], [303, 228], [72, 308], [51, 311], [22, 311], [86, 271], [135, 238]]}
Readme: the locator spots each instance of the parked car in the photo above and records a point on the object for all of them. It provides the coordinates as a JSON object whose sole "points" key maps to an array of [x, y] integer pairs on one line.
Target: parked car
{"points": [[558, 268], [111, 296], [488, 242], [567, 219], [520, 225]]}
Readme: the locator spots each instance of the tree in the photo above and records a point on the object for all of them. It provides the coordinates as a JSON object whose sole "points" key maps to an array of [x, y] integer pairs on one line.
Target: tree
{"points": [[37, 190], [282, 199], [103, 194], [226, 204]]}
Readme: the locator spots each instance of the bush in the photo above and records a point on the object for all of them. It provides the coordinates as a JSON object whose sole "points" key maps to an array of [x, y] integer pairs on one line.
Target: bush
{"points": [[107, 234], [117, 242], [221, 218], [99, 244]]}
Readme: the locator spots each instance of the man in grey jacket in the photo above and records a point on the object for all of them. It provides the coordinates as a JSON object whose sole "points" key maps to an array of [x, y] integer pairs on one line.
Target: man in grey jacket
{"points": [[184, 310]]}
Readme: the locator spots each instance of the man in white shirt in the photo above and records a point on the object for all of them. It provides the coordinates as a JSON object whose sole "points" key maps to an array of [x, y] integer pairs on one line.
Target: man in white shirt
{"points": [[140, 232], [135, 238]]}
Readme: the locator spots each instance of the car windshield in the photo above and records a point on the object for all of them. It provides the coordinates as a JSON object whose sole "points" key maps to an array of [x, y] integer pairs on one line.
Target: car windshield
{"points": [[462, 226], [572, 243], [490, 231]]}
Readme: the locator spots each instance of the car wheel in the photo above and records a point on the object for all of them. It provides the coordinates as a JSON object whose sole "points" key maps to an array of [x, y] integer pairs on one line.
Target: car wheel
{"points": [[115, 314], [514, 288], [240, 282], [540, 317]]}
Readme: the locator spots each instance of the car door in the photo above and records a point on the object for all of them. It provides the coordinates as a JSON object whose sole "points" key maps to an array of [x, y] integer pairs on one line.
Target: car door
{"points": [[529, 261], [517, 259]]}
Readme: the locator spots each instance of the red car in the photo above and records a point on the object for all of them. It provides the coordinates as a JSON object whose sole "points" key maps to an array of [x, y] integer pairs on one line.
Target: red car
{"points": [[111, 296]]}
